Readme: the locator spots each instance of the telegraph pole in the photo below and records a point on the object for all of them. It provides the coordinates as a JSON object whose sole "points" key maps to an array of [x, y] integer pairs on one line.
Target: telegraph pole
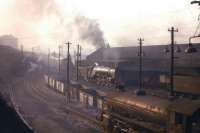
{"points": [[59, 47], [172, 30], [80, 49], [140, 63], [22, 50], [68, 81], [77, 61], [48, 64], [32, 51]]}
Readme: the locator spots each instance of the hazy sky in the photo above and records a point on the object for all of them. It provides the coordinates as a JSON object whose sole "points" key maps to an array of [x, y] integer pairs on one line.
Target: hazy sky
{"points": [[48, 23]]}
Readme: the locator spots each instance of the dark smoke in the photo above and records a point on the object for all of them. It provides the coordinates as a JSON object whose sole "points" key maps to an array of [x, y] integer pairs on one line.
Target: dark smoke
{"points": [[88, 30]]}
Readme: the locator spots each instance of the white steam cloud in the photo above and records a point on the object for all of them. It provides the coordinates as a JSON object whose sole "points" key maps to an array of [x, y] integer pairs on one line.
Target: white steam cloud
{"points": [[42, 23]]}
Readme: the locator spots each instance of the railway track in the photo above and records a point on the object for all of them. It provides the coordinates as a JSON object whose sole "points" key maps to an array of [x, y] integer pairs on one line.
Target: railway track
{"points": [[41, 109], [40, 95], [17, 109], [94, 123], [69, 109]]}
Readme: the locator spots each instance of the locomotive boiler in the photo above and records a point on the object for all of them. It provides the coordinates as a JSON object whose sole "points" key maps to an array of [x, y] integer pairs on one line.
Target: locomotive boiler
{"points": [[101, 75]]}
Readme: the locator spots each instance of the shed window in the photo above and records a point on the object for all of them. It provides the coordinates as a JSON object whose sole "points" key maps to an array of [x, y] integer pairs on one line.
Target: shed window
{"points": [[81, 97], [90, 100], [99, 103]]}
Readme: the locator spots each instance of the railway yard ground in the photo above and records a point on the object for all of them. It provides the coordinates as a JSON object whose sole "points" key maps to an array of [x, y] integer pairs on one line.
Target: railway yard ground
{"points": [[26, 99], [44, 109]]}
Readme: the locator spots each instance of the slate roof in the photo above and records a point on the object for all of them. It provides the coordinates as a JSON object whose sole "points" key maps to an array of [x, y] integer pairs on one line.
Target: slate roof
{"points": [[118, 54]]}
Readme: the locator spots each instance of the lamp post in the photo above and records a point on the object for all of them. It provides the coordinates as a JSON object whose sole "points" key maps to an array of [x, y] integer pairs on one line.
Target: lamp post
{"points": [[195, 2], [190, 48]]}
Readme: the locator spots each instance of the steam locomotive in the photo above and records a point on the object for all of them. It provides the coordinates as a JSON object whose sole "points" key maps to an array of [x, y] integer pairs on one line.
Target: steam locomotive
{"points": [[120, 76], [125, 113], [101, 75]]}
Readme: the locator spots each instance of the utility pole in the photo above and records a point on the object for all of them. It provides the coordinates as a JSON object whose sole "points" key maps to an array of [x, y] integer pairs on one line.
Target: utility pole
{"points": [[48, 64], [22, 50], [172, 30], [32, 51], [140, 63], [77, 61], [59, 47], [80, 50], [68, 80]]}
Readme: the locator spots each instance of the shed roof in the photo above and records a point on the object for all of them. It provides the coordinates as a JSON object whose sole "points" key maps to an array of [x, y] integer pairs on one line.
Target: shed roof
{"points": [[130, 99], [118, 54], [181, 105], [185, 106]]}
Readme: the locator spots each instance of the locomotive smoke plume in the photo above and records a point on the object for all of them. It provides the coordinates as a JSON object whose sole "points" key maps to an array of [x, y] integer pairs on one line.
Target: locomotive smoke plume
{"points": [[33, 22], [42, 22], [88, 30], [34, 10]]}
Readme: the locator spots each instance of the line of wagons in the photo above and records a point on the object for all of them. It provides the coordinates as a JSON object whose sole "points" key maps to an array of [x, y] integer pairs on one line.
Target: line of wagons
{"points": [[121, 112], [81, 93]]}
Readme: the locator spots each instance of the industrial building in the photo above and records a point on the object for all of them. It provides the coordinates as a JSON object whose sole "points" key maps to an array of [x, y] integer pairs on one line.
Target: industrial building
{"points": [[155, 66]]}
